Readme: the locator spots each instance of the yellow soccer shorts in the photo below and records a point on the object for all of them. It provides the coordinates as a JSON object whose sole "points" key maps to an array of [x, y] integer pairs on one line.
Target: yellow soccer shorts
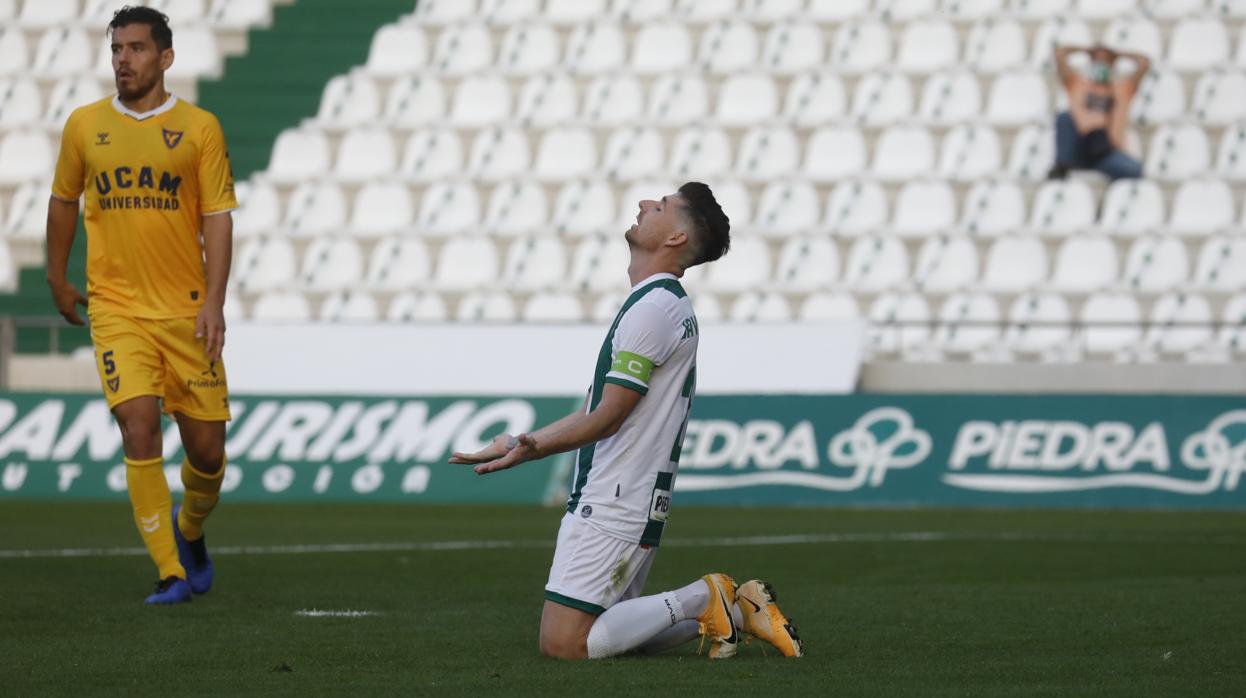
{"points": [[137, 357]]}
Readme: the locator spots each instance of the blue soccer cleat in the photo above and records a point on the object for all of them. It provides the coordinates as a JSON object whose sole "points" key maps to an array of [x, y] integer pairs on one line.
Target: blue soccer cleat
{"points": [[194, 557], [170, 590]]}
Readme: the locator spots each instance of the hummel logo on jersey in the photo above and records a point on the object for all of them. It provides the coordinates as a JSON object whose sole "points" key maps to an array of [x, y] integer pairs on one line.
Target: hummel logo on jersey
{"points": [[102, 139], [172, 138], [150, 524], [114, 384]]}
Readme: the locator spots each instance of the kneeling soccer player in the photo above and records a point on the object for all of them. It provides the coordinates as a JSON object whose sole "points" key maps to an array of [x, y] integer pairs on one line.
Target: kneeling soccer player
{"points": [[629, 439]]}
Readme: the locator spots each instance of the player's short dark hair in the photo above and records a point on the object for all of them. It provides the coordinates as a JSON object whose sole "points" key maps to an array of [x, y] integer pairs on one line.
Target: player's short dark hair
{"points": [[711, 229], [137, 14]]}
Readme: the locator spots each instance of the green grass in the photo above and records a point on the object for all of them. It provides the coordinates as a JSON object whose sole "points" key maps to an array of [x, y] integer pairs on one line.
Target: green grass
{"points": [[1012, 603]]}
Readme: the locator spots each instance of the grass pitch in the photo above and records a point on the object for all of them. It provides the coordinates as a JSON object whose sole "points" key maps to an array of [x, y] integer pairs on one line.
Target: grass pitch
{"points": [[943, 602]]}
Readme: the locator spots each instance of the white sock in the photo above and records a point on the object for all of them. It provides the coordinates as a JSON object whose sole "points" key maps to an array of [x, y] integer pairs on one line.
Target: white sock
{"points": [[738, 616], [627, 625], [672, 637]]}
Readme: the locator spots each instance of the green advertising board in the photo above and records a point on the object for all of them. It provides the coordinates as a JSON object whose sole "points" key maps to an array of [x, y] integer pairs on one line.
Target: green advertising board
{"points": [[892, 450]]}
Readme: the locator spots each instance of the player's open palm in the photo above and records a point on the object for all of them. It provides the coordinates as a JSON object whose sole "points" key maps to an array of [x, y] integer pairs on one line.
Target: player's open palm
{"points": [[210, 327], [501, 444], [67, 299]]}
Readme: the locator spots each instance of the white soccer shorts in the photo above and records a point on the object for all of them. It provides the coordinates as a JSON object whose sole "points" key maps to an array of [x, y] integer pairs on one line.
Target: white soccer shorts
{"points": [[592, 570]]}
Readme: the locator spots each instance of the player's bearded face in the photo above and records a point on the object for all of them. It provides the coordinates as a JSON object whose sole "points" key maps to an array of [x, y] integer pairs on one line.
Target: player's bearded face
{"points": [[138, 65]]}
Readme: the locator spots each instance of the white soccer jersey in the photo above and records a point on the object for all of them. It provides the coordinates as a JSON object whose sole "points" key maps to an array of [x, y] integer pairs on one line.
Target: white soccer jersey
{"points": [[622, 484]]}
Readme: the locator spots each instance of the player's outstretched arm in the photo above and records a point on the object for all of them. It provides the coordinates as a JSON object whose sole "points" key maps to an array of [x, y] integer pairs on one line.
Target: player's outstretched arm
{"points": [[567, 434], [218, 244], [62, 223]]}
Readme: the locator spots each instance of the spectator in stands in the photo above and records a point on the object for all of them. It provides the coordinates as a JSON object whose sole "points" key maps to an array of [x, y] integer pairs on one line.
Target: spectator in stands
{"points": [[1091, 134]]}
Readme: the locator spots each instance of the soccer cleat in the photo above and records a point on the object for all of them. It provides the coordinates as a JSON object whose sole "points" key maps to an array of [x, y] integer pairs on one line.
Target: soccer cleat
{"points": [[193, 554], [763, 619], [170, 590], [716, 622]]}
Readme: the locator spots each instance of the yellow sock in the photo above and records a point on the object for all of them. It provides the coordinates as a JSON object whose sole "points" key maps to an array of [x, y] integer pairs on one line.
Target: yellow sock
{"points": [[153, 513], [200, 498]]}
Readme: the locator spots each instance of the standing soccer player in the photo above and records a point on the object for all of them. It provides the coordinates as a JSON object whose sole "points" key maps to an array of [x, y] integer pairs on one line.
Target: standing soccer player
{"points": [[159, 193], [629, 439]]}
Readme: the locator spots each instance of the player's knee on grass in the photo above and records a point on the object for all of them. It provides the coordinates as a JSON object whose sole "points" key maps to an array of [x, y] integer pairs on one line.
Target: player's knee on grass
{"points": [[564, 632]]}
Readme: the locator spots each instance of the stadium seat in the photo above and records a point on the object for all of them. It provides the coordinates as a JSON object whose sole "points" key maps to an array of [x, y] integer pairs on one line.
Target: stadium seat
{"points": [[770, 11], [1014, 264], [1231, 157], [1058, 28], [28, 211], [766, 153], [950, 99], [994, 46], [381, 208], [398, 50], [1178, 152], [1130, 33], [1176, 9], [25, 155], [8, 275], [547, 100], [263, 264], [1063, 208], [349, 306], [67, 95], [744, 100], [747, 267], [927, 46], [600, 264], [64, 52], [21, 103], [1018, 98], [595, 48], [1033, 153], [331, 264], [1231, 9], [281, 306], [659, 48], [449, 208], [946, 264], [681, 99], [496, 306], [466, 263], [583, 208], [259, 209], [481, 100], [807, 263], [899, 322], [1198, 44], [904, 10], [792, 47], [903, 152], [834, 153], [516, 208], [881, 99], [835, 11], [413, 307], [860, 47], [499, 153], [553, 307], [728, 47], [298, 154], [757, 306], [1038, 323], [506, 12], [1085, 264], [1220, 98], [1221, 264], [1161, 97], [700, 153], [856, 207], [923, 208], [240, 14], [814, 98], [414, 101], [46, 14], [876, 264], [463, 49], [528, 49], [966, 10], [566, 153], [993, 208], [734, 199], [1156, 264], [315, 208], [1132, 207], [787, 207], [970, 152], [534, 264], [708, 308], [365, 153], [573, 11], [634, 153], [829, 306], [968, 322], [442, 12], [1202, 207], [1179, 323], [1111, 323], [432, 154], [640, 11], [14, 51], [398, 263], [614, 100], [1232, 334]]}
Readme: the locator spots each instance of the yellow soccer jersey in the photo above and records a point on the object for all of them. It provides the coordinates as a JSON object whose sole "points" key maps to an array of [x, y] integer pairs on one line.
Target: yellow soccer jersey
{"points": [[148, 178]]}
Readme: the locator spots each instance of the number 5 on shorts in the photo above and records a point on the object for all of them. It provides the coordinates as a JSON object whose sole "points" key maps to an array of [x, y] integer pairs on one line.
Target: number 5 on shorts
{"points": [[110, 366]]}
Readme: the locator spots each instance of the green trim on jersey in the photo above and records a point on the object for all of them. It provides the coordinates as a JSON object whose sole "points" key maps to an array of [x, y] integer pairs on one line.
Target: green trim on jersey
{"points": [[629, 384], [574, 603], [584, 461], [652, 534]]}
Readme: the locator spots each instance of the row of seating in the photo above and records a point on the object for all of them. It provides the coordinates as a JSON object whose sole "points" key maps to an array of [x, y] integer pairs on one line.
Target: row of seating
{"points": [[922, 46], [871, 265], [63, 52], [95, 14]]}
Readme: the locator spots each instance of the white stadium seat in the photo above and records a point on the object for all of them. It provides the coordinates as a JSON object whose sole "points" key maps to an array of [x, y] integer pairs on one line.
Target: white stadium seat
{"points": [[1033, 152], [239, 15], [1133, 34], [968, 322], [381, 208], [553, 307], [766, 153], [682, 99], [814, 98], [573, 11], [881, 99], [1179, 323], [946, 264], [504, 12], [834, 11], [899, 322], [1104, 9], [14, 51], [787, 208], [994, 46], [259, 210], [298, 154], [449, 208], [970, 152], [466, 263], [515, 208], [1014, 264], [640, 11], [365, 153], [658, 48], [28, 211], [264, 264], [1132, 207], [528, 49], [729, 47], [547, 100], [1198, 44], [1161, 97], [1111, 323], [25, 155], [634, 153], [414, 101], [595, 48], [566, 153], [792, 47], [1231, 157], [1232, 334], [876, 264], [923, 208], [199, 57], [481, 100], [1063, 208], [734, 199], [856, 207], [993, 208], [499, 153], [583, 208], [600, 264], [829, 306], [281, 306], [331, 264], [349, 306], [1038, 323], [860, 47], [413, 307], [834, 153], [1156, 264], [807, 263], [755, 306], [398, 263], [748, 266], [1176, 9], [1178, 152], [8, 275], [950, 99], [904, 10], [432, 154], [769, 11], [1202, 207], [746, 99], [534, 264], [67, 95], [927, 46], [903, 152], [21, 103], [1085, 264], [441, 12], [614, 100], [700, 153], [1057, 29], [65, 52], [397, 50], [497, 306], [462, 49], [1018, 98], [43, 14], [1220, 98], [315, 208], [1221, 264]]}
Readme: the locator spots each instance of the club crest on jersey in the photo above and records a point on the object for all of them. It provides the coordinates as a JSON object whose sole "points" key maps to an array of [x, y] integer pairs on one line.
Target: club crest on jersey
{"points": [[172, 138], [114, 384]]}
